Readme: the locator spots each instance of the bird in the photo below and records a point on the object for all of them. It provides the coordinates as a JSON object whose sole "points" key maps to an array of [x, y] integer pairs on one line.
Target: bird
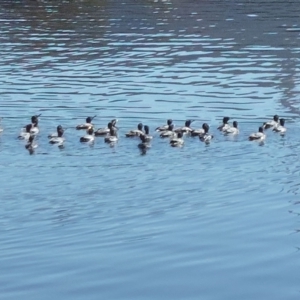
{"points": [[165, 127], [112, 138], [280, 128], [177, 141], [168, 133], [58, 138], [87, 125], [35, 121], [232, 130], [258, 136], [271, 124], [186, 128], [25, 135], [89, 137], [56, 134], [105, 131], [135, 132], [146, 134], [197, 132], [206, 137], [225, 124]]}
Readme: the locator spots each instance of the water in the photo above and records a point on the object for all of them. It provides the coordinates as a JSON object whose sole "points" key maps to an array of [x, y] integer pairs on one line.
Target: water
{"points": [[209, 222]]}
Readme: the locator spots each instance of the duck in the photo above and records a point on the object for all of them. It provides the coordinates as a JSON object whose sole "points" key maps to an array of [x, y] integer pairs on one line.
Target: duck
{"points": [[186, 128], [30, 146], [168, 133], [258, 136], [165, 127], [146, 134], [56, 134], [35, 121], [206, 137], [225, 124], [144, 145], [197, 132], [105, 131], [25, 135], [89, 137], [87, 125], [135, 132], [112, 138], [280, 128], [177, 141], [232, 130], [58, 138], [271, 124]]}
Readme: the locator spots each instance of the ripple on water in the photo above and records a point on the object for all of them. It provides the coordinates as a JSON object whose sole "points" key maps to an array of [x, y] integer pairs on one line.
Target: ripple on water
{"points": [[174, 223]]}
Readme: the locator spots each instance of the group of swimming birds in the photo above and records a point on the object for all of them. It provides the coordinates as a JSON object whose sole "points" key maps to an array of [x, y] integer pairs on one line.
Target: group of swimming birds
{"points": [[175, 135]]}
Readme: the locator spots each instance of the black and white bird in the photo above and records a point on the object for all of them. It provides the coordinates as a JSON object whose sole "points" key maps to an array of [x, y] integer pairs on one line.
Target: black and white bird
{"points": [[258, 136]]}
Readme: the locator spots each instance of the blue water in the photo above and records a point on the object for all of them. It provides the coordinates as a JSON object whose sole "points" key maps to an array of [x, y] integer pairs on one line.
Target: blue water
{"points": [[216, 221]]}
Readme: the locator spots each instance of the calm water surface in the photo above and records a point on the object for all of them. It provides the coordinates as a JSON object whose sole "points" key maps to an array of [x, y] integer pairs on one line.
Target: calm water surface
{"points": [[199, 222]]}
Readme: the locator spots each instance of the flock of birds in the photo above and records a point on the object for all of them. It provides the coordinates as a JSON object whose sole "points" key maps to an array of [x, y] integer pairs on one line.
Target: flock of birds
{"points": [[175, 135]]}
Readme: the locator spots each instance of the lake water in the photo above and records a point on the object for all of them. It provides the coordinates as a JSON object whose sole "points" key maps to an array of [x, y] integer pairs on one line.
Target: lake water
{"points": [[218, 221]]}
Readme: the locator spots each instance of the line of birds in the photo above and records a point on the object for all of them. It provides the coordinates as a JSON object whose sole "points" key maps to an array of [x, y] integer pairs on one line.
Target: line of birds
{"points": [[168, 130]]}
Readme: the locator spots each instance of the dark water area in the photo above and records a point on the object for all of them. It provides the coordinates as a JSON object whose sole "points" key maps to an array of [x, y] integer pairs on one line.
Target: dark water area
{"points": [[218, 221]]}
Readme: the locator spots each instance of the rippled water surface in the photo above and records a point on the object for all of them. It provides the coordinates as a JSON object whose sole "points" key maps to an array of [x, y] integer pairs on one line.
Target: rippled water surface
{"points": [[218, 221]]}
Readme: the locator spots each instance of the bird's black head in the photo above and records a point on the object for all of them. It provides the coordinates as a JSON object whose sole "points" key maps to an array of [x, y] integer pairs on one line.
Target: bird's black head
{"points": [[60, 131], [140, 126], [35, 119], [171, 127], [235, 124], [260, 129], [88, 120], [114, 122], [169, 122], [28, 127], [276, 118], [188, 123], [282, 121], [225, 120], [146, 128], [205, 127]]}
